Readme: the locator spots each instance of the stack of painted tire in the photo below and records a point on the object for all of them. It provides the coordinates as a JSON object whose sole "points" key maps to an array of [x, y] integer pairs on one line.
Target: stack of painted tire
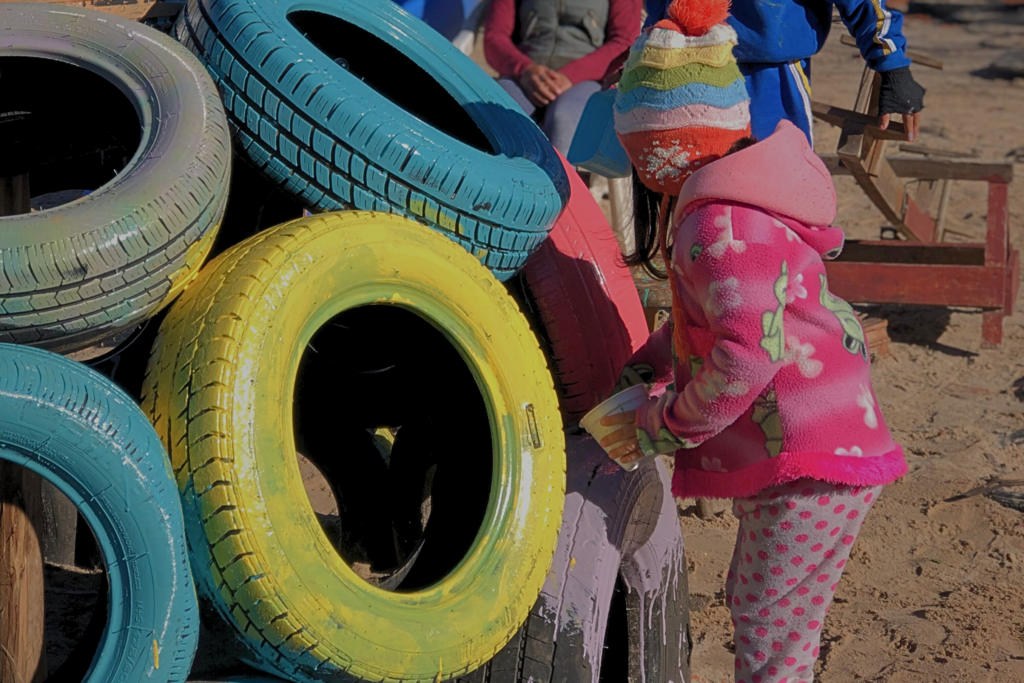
{"points": [[359, 105], [252, 363], [85, 271]]}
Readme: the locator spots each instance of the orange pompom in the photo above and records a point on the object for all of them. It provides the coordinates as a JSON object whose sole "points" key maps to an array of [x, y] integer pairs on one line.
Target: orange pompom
{"points": [[696, 17]]}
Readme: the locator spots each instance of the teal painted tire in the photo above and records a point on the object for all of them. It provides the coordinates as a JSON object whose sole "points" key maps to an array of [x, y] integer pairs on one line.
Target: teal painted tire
{"points": [[89, 439], [357, 104]]}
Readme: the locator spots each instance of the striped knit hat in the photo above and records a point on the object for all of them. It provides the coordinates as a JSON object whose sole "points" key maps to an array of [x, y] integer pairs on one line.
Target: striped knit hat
{"points": [[682, 101]]}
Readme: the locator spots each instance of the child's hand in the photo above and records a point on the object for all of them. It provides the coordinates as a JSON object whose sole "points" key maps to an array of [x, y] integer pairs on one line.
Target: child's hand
{"points": [[628, 449]]}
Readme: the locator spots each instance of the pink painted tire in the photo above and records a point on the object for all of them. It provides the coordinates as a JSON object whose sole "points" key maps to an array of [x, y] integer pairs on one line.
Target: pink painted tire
{"points": [[586, 301], [615, 605]]}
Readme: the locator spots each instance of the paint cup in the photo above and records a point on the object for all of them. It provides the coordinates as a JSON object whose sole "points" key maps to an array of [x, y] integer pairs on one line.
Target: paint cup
{"points": [[630, 399]]}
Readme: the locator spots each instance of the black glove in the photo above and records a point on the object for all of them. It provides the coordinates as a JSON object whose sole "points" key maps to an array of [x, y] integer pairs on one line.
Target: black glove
{"points": [[899, 93]]}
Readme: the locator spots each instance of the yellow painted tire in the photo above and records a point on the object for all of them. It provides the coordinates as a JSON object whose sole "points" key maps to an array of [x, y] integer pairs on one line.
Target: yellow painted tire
{"points": [[218, 390]]}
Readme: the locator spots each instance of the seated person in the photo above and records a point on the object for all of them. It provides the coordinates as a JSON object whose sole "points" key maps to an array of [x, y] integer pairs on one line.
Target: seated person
{"points": [[551, 55]]}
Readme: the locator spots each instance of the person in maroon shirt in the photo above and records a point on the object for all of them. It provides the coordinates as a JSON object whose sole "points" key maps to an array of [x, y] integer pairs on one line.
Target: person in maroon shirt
{"points": [[551, 55]]}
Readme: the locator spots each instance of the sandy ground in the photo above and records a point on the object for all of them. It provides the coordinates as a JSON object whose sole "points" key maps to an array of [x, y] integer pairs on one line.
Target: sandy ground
{"points": [[935, 591]]}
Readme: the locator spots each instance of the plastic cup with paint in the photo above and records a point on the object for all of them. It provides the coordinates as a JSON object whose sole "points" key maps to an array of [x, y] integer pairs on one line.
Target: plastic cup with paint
{"points": [[624, 401]]}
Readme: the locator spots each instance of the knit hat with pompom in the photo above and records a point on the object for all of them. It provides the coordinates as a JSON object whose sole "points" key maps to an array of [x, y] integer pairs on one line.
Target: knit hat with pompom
{"points": [[681, 101]]}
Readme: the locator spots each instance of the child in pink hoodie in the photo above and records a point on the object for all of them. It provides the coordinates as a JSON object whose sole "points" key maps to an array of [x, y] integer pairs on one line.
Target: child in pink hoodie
{"points": [[772, 403]]}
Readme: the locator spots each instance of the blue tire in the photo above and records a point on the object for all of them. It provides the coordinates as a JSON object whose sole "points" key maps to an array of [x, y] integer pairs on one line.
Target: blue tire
{"points": [[356, 104], [89, 439]]}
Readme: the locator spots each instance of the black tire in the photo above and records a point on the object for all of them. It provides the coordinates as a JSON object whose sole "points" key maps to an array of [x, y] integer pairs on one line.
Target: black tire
{"points": [[81, 272], [620, 530], [409, 125]]}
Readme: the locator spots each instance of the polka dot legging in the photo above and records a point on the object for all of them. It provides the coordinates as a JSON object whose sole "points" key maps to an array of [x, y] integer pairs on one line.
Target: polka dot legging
{"points": [[793, 543]]}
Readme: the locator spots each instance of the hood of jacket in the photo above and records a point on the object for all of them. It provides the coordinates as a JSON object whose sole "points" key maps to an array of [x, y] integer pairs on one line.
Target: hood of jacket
{"points": [[781, 175]]}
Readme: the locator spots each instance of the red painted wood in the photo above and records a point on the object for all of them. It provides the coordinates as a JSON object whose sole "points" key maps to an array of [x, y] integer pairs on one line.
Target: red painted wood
{"points": [[899, 283], [997, 237], [1012, 282], [918, 221], [991, 329]]}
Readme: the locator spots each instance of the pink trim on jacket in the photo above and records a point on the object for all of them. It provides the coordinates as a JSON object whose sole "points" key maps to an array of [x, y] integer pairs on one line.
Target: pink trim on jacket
{"points": [[835, 469]]}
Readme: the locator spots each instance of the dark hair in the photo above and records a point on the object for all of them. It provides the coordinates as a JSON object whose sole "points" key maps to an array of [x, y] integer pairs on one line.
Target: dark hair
{"points": [[646, 215], [646, 210]]}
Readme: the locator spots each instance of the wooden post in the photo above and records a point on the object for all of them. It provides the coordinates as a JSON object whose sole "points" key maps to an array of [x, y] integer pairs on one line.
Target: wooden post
{"points": [[22, 636], [997, 246], [58, 526], [14, 196]]}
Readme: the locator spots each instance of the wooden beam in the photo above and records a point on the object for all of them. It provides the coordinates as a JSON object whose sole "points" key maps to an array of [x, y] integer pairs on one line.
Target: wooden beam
{"points": [[935, 169], [893, 283], [928, 285], [22, 625], [838, 117], [865, 159], [894, 251], [997, 234], [915, 148]]}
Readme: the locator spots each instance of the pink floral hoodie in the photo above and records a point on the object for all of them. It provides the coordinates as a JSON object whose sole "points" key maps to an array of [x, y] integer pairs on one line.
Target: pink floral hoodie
{"points": [[776, 384]]}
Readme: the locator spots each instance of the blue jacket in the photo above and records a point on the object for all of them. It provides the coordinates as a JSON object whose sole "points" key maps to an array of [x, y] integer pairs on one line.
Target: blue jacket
{"points": [[780, 31]]}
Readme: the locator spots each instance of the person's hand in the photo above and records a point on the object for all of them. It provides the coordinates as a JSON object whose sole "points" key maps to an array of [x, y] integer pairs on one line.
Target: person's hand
{"points": [[562, 82], [539, 84], [628, 448], [911, 123], [899, 93]]}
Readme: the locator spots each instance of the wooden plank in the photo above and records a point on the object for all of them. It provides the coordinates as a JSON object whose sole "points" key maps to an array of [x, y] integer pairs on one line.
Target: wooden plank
{"points": [[929, 285], [1012, 282], [867, 92], [891, 283], [915, 148], [864, 157], [862, 150], [940, 215], [893, 251], [924, 192], [997, 234], [22, 633], [935, 169], [59, 526], [913, 55], [838, 117], [917, 219]]}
